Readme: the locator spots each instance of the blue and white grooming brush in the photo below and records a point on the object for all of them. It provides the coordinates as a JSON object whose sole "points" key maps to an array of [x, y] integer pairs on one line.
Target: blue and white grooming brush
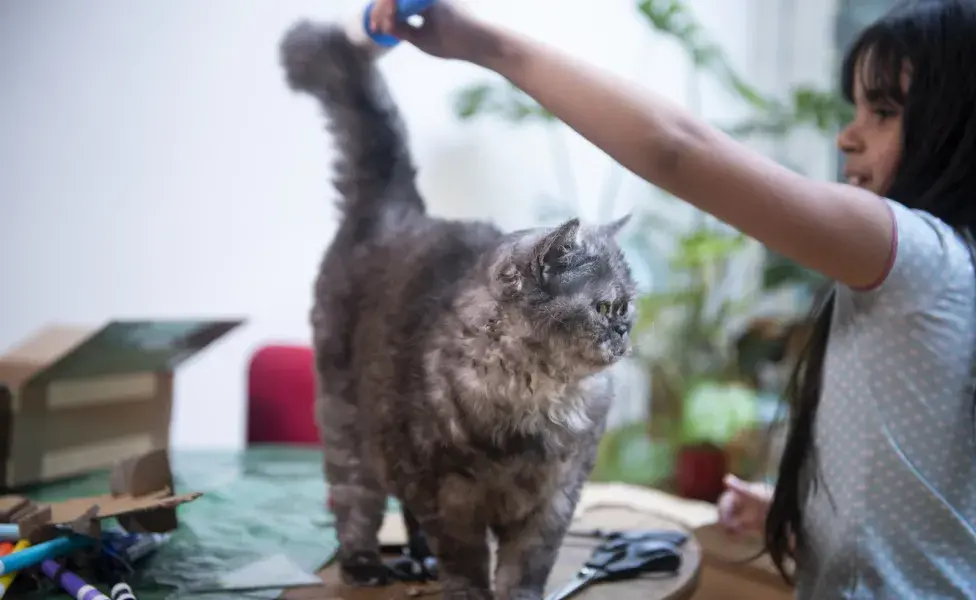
{"points": [[360, 31]]}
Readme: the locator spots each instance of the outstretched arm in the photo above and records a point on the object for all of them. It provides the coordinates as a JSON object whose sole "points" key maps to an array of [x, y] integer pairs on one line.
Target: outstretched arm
{"points": [[842, 231], [839, 230]]}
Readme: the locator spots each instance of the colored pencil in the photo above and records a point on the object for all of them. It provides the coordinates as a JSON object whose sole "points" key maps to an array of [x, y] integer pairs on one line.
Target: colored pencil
{"points": [[8, 579], [71, 583], [6, 548], [122, 591], [9, 531], [28, 557]]}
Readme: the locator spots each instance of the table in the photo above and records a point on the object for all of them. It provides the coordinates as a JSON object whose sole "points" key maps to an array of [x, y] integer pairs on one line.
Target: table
{"points": [[264, 501], [573, 554], [268, 500]]}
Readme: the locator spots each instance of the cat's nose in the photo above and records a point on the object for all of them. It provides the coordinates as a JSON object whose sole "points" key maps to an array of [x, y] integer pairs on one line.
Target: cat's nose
{"points": [[621, 329]]}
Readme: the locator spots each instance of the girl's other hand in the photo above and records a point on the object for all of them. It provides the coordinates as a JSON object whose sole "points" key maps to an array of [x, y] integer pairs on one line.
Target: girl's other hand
{"points": [[448, 31], [743, 505]]}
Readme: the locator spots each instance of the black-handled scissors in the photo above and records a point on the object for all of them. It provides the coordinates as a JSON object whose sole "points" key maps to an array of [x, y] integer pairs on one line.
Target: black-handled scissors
{"points": [[621, 559], [415, 562], [676, 537]]}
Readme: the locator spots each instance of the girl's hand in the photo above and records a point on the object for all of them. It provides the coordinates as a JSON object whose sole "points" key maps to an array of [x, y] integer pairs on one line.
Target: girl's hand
{"points": [[448, 31], [743, 505]]}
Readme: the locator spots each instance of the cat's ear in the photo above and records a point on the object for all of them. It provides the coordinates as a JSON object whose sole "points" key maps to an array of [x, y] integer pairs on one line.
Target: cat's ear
{"points": [[614, 228], [558, 243]]}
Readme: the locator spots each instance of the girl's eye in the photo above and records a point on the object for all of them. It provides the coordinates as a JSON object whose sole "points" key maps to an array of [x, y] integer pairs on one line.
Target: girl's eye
{"points": [[883, 114], [603, 308]]}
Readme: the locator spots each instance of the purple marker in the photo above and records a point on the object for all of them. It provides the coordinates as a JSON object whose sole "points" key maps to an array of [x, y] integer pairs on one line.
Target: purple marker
{"points": [[71, 583]]}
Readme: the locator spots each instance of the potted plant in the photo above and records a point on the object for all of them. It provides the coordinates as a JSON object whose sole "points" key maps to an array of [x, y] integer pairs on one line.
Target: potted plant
{"points": [[698, 399]]}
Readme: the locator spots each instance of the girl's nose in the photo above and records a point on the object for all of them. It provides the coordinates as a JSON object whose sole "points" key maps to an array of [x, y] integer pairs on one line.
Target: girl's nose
{"points": [[848, 141]]}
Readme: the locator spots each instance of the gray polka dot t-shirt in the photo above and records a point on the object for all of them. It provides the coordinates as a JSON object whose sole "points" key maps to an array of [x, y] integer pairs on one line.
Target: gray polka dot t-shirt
{"points": [[895, 430]]}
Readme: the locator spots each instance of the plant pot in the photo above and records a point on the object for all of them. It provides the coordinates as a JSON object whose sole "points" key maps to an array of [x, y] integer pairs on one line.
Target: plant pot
{"points": [[699, 472]]}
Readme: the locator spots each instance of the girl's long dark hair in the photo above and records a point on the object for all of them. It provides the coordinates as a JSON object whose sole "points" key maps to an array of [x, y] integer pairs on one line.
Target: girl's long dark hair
{"points": [[936, 40]]}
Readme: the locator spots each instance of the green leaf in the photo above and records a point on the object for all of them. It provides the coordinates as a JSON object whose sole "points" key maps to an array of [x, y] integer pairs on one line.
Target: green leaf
{"points": [[746, 92], [703, 247], [504, 101], [628, 455], [716, 412], [471, 101], [761, 126], [779, 272], [826, 111], [651, 306]]}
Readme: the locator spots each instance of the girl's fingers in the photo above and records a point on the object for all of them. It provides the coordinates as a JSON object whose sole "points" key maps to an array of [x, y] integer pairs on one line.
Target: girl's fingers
{"points": [[746, 489], [731, 481], [731, 522], [374, 15], [726, 505], [730, 512], [382, 16], [389, 23]]}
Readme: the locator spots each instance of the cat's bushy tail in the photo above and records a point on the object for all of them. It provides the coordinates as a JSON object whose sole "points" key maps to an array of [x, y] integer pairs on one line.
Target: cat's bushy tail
{"points": [[374, 171]]}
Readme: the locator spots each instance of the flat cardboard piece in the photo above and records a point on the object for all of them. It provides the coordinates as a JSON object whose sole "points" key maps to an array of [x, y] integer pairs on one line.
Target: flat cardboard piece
{"points": [[72, 352], [11, 505], [596, 510], [76, 399], [274, 572], [141, 500]]}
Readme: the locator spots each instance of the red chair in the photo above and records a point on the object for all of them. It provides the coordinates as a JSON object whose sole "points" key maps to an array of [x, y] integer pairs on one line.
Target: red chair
{"points": [[281, 396]]}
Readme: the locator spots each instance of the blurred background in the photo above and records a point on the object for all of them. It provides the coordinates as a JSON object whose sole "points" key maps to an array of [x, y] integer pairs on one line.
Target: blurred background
{"points": [[154, 164]]}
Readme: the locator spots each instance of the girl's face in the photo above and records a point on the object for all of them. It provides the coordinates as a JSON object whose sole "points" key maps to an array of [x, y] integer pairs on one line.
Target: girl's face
{"points": [[872, 141]]}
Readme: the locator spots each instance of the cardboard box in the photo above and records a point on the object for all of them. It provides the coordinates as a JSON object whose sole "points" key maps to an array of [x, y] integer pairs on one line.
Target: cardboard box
{"points": [[76, 399]]}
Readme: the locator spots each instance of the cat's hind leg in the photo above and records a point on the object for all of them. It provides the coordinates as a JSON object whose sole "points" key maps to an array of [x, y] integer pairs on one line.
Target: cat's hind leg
{"points": [[358, 498]]}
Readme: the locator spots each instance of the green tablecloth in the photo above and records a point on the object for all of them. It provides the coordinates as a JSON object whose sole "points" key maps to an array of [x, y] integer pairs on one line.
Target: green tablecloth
{"points": [[257, 503]]}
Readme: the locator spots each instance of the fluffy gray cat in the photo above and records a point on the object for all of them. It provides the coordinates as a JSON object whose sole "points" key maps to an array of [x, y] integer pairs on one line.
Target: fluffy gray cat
{"points": [[461, 370]]}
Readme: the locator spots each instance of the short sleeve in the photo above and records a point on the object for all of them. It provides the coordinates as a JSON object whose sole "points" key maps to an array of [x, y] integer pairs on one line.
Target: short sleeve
{"points": [[927, 258]]}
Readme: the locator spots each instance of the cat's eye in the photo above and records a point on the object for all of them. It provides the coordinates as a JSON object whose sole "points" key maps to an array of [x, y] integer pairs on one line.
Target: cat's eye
{"points": [[623, 307], [603, 308]]}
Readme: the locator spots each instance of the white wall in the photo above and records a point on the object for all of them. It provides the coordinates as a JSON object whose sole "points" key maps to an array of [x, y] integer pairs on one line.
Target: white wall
{"points": [[153, 164]]}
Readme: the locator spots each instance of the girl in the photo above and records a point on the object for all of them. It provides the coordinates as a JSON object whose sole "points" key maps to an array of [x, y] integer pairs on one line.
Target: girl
{"points": [[876, 492]]}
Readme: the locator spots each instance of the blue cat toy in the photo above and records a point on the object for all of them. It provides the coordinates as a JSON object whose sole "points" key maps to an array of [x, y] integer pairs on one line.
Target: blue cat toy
{"points": [[405, 10]]}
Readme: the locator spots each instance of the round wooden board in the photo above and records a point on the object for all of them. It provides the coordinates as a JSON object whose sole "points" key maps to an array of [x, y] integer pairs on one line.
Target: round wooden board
{"points": [[573, 554], [576, 550]]}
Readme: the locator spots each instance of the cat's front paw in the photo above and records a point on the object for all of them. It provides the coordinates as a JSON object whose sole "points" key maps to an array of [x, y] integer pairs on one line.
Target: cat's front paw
{"points": [[364, 569]]}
